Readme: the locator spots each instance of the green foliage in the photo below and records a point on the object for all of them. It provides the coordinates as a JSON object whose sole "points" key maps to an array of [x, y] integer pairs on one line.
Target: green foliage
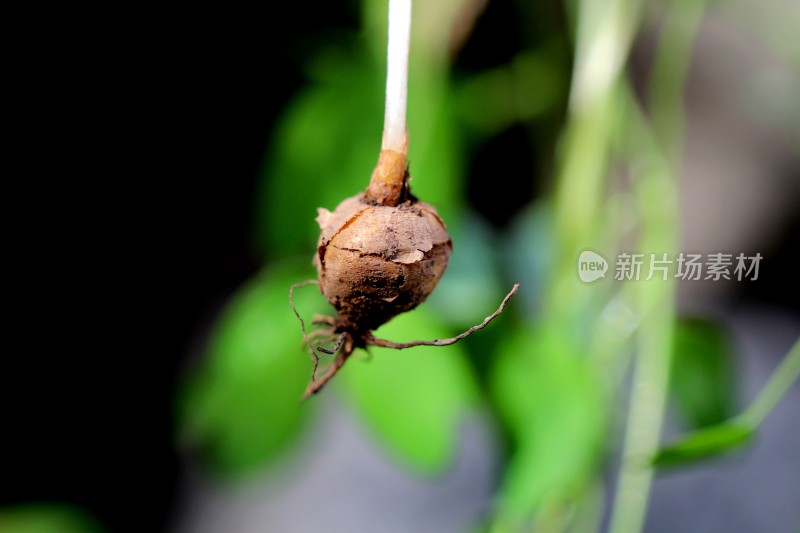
{"points": [[327, 144], [46, 518], [702, 372], [703, 444], [323, 151], [241, 407], [729, 435], [413, 400], [552, 404], [530, 85], [471, 288]]}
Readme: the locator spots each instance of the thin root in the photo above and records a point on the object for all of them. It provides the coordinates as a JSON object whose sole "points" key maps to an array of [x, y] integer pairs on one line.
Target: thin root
{"points": [[328, 333], [345, 343], [317, 383], [314, 356], [369, 339], [336, 346], [326, 320]]}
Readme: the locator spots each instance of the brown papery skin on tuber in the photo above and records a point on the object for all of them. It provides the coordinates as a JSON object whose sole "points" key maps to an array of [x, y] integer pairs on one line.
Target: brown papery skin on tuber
{"points": [[377, 261], [380, 253]]}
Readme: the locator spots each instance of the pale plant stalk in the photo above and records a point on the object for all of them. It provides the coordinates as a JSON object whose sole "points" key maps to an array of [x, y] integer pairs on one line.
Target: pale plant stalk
{"points": [[388, 183], [394, 120]]}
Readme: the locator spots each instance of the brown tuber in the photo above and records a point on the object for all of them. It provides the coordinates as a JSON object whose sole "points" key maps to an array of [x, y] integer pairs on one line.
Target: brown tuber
{"points": [[378, 259], [380, 253]]}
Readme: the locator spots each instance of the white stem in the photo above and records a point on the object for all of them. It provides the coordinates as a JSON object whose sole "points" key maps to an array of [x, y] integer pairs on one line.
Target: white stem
{"points": [[394, 121]]}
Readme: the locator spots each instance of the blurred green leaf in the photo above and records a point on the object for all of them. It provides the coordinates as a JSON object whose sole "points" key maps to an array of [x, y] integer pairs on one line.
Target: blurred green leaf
{"points": [[437, 161], [323, 151], [530, 85], [471, 289], [328, 141], [703, 444], [528, 252], [554, 408], [702, 379], [413, 400], [46, 518], [242, 406]]}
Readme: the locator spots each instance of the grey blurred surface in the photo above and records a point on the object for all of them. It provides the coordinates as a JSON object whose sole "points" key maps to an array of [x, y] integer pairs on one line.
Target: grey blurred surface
{"points": [[341, 481]]}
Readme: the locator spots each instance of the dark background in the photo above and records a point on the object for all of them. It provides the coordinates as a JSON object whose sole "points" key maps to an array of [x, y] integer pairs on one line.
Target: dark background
{"points": [[137, 140]]}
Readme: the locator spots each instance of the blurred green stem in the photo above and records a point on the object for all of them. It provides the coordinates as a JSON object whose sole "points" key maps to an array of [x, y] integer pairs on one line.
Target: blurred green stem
{"points": [[658, 160], [670, 68], [605, 30], [787, 373], [656, 194]]}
